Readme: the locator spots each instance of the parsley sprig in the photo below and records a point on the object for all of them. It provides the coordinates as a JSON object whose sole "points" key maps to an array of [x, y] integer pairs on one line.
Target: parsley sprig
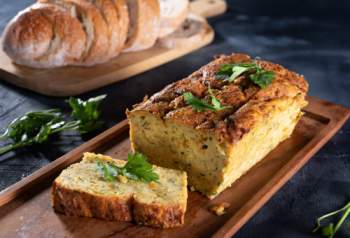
{"points": [[87, 113], [201, 105], [329, 230], [137, 168], [259, 76], [37, 127]]}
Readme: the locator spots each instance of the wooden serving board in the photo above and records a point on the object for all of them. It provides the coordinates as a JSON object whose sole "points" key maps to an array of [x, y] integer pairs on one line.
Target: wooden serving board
{"points": [[70, 81], [25, 209]]}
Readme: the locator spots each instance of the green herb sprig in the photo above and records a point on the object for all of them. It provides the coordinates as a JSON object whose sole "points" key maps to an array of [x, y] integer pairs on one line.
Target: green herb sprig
{"points": [[329, 230], [137, 168], [37, 127], [259, 76], [87, 113], [201, 105]]}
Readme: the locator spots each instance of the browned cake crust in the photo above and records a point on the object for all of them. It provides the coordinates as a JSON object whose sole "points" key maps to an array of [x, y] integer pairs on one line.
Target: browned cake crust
{"points": [[246, 100], [74, 203], [77, 203]]}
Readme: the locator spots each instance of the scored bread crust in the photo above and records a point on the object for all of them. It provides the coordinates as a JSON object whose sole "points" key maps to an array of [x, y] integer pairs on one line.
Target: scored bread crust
{"points": [[63, 44], [144, 24], [96, 30], [115, 15], [21, 38], [191, 31], [172, 15]]}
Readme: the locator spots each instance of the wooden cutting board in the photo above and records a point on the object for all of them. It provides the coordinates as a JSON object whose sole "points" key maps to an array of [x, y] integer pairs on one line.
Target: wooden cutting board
{"points": [[25, 209], [69, 81]]}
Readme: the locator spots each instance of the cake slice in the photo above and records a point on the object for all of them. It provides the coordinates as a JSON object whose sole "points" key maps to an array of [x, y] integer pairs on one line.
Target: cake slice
{"points": [[87, 189], [220, 121]]}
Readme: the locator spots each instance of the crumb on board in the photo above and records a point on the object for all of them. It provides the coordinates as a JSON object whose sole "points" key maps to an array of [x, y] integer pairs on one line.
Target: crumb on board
{"points": [[219, 209], [192, 189]]}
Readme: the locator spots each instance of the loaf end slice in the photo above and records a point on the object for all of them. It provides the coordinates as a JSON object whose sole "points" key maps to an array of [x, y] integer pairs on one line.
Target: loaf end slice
{"points": [[80, 190], [216, 148]]}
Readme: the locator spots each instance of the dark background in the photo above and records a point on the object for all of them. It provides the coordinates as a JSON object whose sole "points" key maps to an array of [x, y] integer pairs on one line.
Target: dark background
{"points": [[310, 37]]}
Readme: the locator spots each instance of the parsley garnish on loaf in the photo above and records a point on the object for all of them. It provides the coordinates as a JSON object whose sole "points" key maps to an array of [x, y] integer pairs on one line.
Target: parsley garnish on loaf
{"points": [[137, 168], [259, 76], [201, 105]]}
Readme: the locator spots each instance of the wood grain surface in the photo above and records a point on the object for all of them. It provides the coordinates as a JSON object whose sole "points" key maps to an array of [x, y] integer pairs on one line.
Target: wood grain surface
{"points": [[25, 209]]}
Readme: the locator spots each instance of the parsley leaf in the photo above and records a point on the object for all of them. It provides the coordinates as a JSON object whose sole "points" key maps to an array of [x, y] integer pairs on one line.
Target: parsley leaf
{"points": [[110, 172], [262, 78], [198, 104], [259, 76], [87, 113], [215, 102], [201, 105], [137, 168], [330, 230]]}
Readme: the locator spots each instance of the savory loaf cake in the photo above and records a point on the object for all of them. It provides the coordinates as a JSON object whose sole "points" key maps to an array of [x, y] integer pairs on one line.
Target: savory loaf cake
{"points": [[92, 188], [220, 121]]}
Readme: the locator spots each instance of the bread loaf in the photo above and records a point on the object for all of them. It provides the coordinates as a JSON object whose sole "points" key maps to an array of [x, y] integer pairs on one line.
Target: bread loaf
{"points": [[81, 190], [216, 147], [54, 33], [44, 36]]}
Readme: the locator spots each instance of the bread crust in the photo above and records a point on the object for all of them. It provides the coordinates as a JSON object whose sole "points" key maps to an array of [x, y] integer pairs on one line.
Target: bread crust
{"points": [[61, 37], [246, 100], [123, 23], [110, 15], [144, 33], [96, 30], [21, 38]]}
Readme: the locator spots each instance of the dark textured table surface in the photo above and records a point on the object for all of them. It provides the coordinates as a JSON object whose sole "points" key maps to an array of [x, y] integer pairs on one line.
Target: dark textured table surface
{"points": [[313, 40]]}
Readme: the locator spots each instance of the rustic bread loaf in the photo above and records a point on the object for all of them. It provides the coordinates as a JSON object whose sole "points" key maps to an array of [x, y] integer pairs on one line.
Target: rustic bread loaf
{"points": [[172, 15], [215, 148], [54, 33], [144, 24], [80, 190]]}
